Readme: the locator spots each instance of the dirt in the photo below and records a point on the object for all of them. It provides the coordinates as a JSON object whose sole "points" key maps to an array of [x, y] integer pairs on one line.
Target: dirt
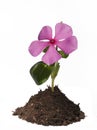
{"points": [[50, 108]]}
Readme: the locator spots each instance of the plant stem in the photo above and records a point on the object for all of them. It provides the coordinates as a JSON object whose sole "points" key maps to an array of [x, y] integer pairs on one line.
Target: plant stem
{"points": [[52, 85]]}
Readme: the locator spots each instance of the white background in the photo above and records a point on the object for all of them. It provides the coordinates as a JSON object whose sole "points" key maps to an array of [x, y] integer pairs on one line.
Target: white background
{"points": [[20, 23]]}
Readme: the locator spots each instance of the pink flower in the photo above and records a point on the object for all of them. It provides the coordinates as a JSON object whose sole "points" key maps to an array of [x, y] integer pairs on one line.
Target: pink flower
{"points": [[63, 39]]}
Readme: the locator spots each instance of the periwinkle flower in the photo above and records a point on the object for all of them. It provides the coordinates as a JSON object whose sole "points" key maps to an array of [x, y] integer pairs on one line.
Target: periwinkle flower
{"points": [[63, 40]]}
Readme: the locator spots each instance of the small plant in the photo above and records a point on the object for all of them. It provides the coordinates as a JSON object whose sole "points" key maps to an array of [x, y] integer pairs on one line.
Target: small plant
{"points": [[51, 106], [54, 49]]}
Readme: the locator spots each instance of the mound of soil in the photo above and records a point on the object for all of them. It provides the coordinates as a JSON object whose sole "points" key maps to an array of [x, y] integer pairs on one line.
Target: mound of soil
{"points": [[50, 108]]}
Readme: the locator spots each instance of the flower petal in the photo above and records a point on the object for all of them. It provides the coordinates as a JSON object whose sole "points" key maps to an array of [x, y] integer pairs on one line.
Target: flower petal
{"points": [[62, 31], [68, 45], [45, 33], [51, 56], [36, 47]]}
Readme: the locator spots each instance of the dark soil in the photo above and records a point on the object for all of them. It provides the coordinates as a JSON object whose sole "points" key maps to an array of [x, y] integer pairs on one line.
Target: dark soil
{"points": [[50, 108]]}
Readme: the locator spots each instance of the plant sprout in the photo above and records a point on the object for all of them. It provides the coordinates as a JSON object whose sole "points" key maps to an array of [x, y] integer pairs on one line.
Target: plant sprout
{"points": [[54, 48]]}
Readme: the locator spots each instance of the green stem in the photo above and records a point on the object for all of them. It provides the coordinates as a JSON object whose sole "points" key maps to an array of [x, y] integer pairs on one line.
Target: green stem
{"points": [[52, 84]]}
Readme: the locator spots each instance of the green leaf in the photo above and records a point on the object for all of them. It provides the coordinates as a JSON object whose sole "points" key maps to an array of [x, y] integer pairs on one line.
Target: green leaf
{"points": [[45, 50], [55, 70], [63, 54], [40, 72]]}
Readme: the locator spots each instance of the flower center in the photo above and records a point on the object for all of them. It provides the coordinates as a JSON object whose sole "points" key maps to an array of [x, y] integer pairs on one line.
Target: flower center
{"points": [[52, 41]]}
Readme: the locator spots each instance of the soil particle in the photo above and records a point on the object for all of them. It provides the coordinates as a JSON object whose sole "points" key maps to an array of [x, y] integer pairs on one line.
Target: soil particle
{"points": [[50, 108]]}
